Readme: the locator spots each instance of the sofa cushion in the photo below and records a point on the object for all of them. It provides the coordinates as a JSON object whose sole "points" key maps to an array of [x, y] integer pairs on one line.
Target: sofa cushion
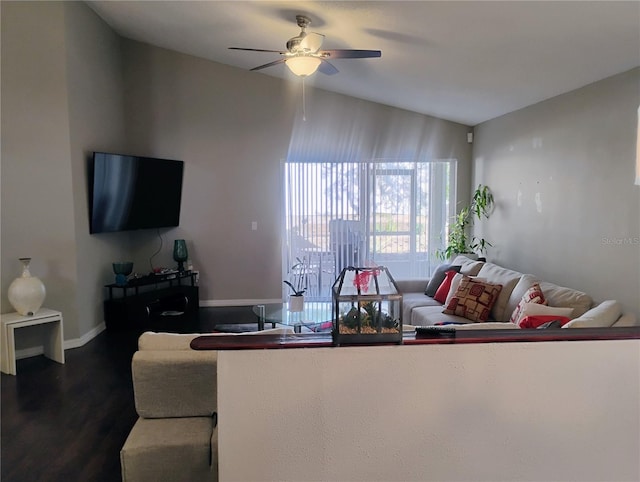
{"points": [[174, 383], [169, 449], [601, 316], [535, 309], [626, 319], [468, 266], [533, 295], [410, 301], [561, 296], [438, 277], [473, 299], [508, 279], [431, 315], [412, 285]]}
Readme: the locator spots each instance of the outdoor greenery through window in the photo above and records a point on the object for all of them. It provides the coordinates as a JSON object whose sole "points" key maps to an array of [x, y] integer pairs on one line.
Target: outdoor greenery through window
{"points": [[392, 214]]}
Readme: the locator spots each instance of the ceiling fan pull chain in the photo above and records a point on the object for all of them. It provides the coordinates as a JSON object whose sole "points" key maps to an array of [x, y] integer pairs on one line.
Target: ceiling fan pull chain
{"points": [[304, 108]]}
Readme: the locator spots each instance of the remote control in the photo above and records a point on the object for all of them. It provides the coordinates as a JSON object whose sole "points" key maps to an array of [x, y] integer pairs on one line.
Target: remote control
{"points": [[444, 330]]}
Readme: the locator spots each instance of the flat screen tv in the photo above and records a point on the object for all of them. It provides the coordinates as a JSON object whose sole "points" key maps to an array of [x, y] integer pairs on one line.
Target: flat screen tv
{"points": [[132, 192]]}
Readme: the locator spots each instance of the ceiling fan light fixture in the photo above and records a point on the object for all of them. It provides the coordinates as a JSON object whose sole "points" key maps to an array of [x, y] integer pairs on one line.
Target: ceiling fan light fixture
{"points": [[303, 66]]}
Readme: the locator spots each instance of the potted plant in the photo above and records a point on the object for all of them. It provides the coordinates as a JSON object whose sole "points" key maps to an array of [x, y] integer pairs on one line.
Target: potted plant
{"points": [[296, 298], [458, 241]]}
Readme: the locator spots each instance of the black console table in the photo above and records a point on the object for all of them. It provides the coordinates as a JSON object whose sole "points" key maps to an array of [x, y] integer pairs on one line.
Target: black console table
{"points": [[167, 302]]}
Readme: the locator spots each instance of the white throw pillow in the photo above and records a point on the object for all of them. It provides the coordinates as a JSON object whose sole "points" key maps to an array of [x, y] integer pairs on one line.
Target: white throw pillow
{"points": [[535, 309], [455, 282]]}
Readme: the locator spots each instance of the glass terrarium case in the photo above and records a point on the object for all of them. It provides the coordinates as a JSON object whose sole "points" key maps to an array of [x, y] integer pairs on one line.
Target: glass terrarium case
{"points": [[367, 307]]}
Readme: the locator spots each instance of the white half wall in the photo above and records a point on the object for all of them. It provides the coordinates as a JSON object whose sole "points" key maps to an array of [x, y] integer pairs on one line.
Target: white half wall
{"points": [[483, 412]]}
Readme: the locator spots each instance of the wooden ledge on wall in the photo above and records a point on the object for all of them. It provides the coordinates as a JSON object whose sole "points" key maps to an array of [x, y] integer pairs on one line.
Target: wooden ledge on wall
{"points": [[320, 340]]}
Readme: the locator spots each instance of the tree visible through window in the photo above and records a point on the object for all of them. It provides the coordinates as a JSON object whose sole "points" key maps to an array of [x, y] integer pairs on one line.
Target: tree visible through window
{"points": [[385, 213]]}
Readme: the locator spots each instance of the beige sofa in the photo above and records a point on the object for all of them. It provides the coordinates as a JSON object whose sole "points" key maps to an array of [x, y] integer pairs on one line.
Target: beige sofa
{"points": [[422, 310], [175, 436]]}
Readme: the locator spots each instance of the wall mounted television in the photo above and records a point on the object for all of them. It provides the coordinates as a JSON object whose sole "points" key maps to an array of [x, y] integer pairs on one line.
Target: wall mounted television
{"points": [[131, 192]]}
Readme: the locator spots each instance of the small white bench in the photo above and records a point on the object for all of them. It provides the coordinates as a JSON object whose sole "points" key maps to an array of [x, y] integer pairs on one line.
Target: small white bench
{"points": [[53, 343]]}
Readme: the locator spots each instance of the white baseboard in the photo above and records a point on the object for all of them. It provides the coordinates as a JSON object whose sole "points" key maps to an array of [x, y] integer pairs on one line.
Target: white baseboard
{"points": [[224, 303], [68, 344]]}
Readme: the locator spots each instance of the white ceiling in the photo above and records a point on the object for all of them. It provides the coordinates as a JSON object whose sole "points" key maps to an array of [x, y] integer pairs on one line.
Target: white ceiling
{"points": [[463, 61]]}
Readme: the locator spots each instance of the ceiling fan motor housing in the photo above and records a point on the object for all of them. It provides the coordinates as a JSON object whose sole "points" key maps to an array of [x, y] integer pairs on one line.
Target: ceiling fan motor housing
{"points": [[293, 44]]}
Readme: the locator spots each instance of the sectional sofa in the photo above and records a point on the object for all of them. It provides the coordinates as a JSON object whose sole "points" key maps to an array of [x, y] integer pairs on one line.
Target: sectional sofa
{"points": [[420, 309], [175, 390]]}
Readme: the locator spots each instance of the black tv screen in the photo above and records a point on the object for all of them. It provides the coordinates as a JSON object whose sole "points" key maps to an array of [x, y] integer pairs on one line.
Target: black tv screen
{"points": [[132, 192]]}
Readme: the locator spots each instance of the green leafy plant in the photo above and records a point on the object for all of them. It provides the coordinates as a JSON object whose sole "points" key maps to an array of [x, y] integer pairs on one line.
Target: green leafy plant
{"points": [[296, 292], [458, 240], [368, 315]]}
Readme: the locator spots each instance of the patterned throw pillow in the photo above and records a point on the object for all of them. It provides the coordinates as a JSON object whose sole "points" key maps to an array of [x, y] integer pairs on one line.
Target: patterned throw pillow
{"points": [[473, 299], [533, 295]]}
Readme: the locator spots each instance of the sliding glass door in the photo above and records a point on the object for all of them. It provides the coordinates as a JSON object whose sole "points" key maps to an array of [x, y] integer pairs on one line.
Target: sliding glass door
{"points": [[390, 213]]}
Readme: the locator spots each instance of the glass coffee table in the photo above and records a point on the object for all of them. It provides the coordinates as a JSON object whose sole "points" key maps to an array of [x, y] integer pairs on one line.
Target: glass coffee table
{"points": [[316, 315]]}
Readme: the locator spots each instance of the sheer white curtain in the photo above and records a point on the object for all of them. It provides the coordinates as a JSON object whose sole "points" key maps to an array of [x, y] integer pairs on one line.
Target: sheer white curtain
{"points": [[390, 213]]}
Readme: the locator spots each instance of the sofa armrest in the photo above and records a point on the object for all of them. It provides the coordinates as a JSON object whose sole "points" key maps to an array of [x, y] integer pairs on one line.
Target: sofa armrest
{"points": [[412, 285], [627, 319], [178, 383], [603, 315]]}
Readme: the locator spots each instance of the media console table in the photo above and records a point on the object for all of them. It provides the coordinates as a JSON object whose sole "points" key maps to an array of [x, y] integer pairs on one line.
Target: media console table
{"points": [[557, 406], [156, 301]]}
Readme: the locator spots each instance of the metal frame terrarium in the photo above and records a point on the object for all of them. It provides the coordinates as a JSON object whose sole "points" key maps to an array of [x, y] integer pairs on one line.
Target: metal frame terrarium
{"points": [[367, 307]]}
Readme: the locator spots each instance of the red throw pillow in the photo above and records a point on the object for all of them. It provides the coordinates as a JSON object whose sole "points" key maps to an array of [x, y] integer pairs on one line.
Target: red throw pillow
{"points": [[534, 321], [445, 286]]}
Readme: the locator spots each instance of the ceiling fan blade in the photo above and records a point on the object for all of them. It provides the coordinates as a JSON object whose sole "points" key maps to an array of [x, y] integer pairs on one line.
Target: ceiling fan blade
{"points": [[275, 62], [327, 67], [258, 50], [312, 42], [350, 54]]}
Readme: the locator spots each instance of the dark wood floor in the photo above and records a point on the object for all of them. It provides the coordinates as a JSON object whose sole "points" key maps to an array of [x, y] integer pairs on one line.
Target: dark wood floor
{"points": [[68, 422]]}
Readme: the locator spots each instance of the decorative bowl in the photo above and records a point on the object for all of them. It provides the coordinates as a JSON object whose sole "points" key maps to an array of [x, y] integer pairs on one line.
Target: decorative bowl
{"points": [[122, 269]]}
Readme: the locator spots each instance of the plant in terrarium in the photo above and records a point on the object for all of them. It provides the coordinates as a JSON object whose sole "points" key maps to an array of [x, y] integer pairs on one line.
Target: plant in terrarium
{"points": [[367, 319]]}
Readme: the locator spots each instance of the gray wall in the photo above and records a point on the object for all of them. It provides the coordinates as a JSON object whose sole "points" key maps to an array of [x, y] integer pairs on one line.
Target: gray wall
{"points": [[562, 172], [70, 85], [37, 188], [95, 85], [233, 128], [61, 99]]}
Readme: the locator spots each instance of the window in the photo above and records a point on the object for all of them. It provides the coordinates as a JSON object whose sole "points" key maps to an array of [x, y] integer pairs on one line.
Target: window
{"points": [[390, 213]]}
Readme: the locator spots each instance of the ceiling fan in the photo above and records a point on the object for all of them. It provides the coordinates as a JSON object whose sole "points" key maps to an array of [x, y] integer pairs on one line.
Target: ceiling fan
{"points": [[303, 55]]}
